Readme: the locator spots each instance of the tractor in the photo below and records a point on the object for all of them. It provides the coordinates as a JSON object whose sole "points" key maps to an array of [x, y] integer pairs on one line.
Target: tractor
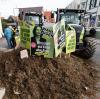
{"points": [[74, 19], [85, 44]]}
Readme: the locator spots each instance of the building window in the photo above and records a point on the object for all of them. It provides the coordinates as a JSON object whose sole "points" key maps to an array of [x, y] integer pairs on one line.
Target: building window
{"points": [[92, 21], [83, 5], [86, 22], [92, 4], [98, 23]]}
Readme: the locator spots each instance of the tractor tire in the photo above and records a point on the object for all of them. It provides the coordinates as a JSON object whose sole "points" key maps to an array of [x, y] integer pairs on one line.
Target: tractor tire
{"points": [[92, 32], [89, 49]]}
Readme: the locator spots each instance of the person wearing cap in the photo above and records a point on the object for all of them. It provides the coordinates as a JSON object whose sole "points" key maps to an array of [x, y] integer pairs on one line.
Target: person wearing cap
{"points": [[8, 33]]}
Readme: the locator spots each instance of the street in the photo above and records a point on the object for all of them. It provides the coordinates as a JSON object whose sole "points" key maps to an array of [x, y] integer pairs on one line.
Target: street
{"points": [[96, 57], [3, 43]]}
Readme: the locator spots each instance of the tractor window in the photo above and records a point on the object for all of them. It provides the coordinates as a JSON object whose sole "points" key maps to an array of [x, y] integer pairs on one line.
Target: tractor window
{"points": [[70, 18], [32, 18], [35, 19]]}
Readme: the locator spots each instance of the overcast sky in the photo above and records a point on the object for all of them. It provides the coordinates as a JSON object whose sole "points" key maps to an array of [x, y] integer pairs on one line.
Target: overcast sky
{"points": [[7, 6]]}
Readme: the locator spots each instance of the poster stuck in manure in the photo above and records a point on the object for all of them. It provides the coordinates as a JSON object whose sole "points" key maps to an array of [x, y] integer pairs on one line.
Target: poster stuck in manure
{"points": [[59, 36], [70, 41], [42, 43], [25, 35]]}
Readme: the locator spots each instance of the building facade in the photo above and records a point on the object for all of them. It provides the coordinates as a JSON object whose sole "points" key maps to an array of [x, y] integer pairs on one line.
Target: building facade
{"points": [[92, 16], [38, 10], [75, 4]]}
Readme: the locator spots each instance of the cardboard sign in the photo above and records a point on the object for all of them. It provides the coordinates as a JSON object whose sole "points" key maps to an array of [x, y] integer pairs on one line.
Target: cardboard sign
{"points": [[2, 92], [59, 36], [23, 54], [70, 41]]}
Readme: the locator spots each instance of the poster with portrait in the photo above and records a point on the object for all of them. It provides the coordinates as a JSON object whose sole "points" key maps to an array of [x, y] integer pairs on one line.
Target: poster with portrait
{"points": [[42, 43]]}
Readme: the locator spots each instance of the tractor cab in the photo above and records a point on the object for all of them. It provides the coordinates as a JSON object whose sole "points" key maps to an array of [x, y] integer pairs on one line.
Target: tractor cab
{"points": [[71, 16], [37, 18], [30, 17], [73, 23]]}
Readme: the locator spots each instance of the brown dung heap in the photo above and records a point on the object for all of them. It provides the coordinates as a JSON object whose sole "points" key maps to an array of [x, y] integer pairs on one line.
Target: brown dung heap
{"points": [[40, 78]]}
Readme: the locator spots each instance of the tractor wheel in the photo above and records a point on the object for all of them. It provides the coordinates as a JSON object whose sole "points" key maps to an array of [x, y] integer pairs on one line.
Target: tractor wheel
{"points": [[89, 48], [92, 32]]}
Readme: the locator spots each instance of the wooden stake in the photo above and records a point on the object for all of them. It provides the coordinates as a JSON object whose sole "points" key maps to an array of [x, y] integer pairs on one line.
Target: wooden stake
{"points": [[69, 55], [60, 55]]}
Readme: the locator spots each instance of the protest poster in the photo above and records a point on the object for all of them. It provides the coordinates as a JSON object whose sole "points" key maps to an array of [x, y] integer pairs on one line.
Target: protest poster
{"points": [[59, 36], [42, 43], [70, 41]]}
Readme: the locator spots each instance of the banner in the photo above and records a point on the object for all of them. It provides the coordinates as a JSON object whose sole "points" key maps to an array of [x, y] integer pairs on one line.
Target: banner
{"points": [[59, 36], [70, 41]]}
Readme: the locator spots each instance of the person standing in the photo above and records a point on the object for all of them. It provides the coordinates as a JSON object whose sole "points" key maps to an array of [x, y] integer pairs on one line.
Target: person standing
{"points": [[13, 36], [8, 33]]}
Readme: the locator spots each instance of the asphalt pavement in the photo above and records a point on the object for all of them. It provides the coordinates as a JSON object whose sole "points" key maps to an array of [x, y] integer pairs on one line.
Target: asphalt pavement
{"points": [[96, 57], [96, 60], [3, 43]]}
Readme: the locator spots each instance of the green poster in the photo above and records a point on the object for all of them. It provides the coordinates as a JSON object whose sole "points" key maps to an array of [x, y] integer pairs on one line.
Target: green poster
{"points": [[49, 46], [42, 43], [25, 34], [70, 41], [81, 36], [59, 36]]}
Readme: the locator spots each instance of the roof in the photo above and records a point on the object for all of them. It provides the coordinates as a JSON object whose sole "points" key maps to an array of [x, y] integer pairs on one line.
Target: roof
{"points": [[31, 9], [33, 14], [71, 10], [1, 17], [13, 18]]}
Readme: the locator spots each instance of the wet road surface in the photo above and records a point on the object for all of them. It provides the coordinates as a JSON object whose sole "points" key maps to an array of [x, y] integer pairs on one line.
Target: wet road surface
{"points": [[96, 60]]}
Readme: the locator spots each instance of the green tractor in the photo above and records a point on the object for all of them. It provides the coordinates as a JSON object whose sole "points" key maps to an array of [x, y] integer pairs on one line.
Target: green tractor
{"points": [[74, 21]]}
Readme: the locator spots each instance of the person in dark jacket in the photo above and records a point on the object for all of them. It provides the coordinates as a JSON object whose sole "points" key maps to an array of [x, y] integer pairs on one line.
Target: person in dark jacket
{"points": [[13, 36]]}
